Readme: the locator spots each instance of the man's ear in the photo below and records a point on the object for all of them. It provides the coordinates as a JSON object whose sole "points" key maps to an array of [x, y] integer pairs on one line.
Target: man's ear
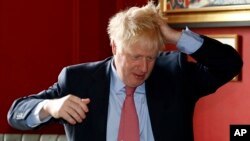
{"points": [[114, 48]]}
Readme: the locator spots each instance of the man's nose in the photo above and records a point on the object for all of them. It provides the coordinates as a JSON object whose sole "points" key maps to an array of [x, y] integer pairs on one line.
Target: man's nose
{"points": [[144, 65]]}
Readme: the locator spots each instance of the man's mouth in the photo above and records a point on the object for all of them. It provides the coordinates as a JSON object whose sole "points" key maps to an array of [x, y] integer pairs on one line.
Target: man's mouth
{"points": [[139, 76]]}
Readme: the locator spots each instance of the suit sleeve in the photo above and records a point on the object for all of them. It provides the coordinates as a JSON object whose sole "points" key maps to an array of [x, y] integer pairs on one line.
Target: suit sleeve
{"points": [[22, 107], [216, 64]]}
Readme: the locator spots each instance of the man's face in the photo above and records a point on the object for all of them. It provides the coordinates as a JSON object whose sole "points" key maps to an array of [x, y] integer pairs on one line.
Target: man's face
{"points": [[134, 63]]}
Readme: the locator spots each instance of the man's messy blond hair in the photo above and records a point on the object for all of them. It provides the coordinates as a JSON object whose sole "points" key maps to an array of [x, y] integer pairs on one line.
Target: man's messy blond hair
{"points": [[128, 26]]}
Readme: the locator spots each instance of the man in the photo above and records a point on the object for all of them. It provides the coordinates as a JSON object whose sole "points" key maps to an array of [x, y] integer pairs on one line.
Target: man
{"points": [[88, 98]]}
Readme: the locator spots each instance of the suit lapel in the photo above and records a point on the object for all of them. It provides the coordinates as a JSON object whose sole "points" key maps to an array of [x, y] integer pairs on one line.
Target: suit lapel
{"points": [[155, 107], [99, 92]]}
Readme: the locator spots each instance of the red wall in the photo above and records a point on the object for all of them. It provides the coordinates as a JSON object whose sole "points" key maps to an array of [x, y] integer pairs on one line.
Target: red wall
{"points": [[38, 38], [230, 104], [36, 41]]}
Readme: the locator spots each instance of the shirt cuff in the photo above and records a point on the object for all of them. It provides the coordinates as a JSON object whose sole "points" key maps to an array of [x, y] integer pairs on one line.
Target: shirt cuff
{"points": [[33, 119], [189, 41]]}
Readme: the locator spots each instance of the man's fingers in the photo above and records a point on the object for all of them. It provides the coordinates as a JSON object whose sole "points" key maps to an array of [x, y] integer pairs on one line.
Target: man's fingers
{"points": [[71, 108], [73, 113], [82, 102], [85, 106], [66, 116], [86, 100], [78, 108]]}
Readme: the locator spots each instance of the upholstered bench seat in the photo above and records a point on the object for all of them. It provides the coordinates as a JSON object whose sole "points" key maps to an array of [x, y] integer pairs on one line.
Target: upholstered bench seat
{"points": [[32, 137]]}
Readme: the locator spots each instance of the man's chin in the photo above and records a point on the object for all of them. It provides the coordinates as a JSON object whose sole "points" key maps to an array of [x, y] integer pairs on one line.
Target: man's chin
{"points": [[139, 83]]}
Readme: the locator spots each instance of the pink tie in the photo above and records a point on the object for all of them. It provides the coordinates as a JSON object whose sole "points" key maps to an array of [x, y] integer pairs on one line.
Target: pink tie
{"points": [[129, 123]]}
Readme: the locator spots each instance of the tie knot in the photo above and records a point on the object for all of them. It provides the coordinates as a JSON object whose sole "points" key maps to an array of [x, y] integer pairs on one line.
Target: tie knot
{"points": [[130, 90]]}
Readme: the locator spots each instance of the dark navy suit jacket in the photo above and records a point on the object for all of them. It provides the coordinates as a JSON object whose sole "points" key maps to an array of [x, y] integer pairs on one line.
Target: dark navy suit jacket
{"points": [[171, 90]]}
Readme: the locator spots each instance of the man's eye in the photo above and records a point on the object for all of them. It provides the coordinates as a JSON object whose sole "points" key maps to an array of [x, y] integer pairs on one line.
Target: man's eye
{"points": [[151, 58], [136, 57]]}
